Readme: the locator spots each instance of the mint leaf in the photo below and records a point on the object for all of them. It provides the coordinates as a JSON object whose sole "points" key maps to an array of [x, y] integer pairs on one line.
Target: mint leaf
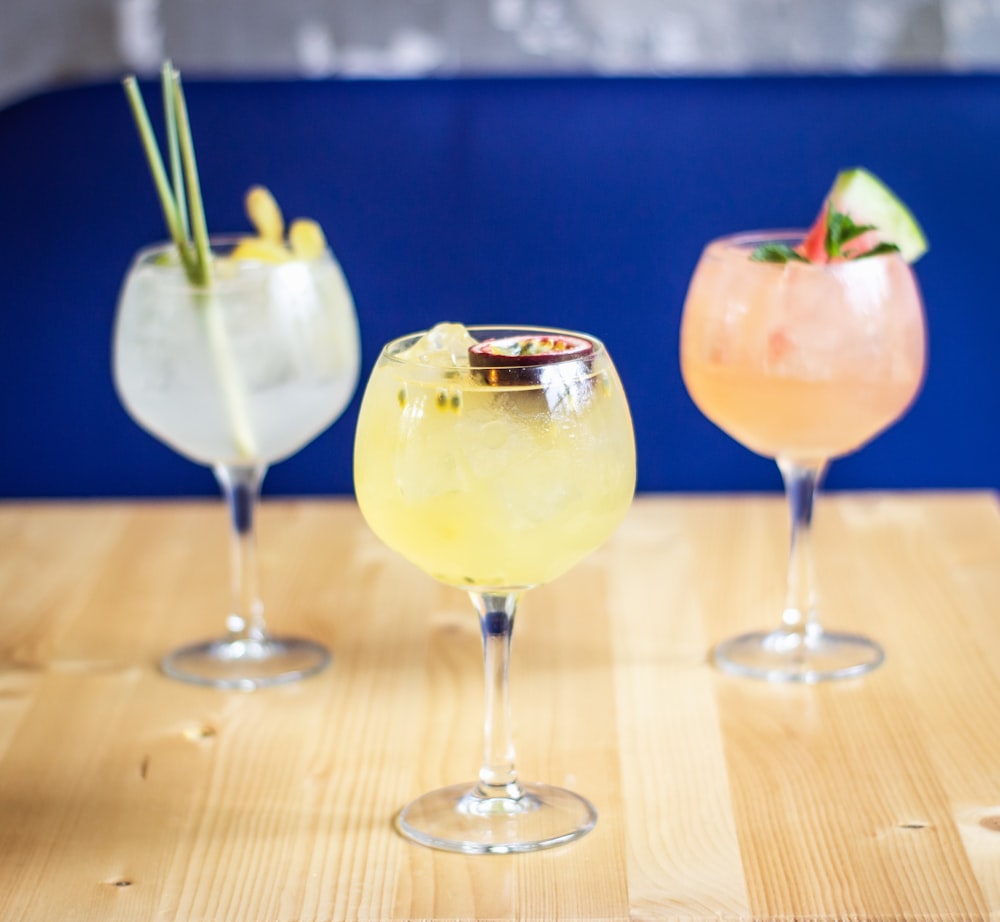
{"points": [[879, 250], [776, 253], [841, 229], [850, 230]]}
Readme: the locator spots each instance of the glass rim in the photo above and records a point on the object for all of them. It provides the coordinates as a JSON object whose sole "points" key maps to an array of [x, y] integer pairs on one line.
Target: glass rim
{"points": [[171, 278], [760, 235], [218, 244], [747, 239], [390, 350]]}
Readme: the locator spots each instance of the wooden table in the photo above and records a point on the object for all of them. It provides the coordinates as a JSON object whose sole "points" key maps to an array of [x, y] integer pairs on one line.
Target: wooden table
{"points": [[128, 796]]}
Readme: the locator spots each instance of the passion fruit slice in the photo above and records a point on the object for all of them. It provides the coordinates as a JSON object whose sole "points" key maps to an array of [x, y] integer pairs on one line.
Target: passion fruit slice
{"points": [[552, 367], [528, 349], [529, 359]]}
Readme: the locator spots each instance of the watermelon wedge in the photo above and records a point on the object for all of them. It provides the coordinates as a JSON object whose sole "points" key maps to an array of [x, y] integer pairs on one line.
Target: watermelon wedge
{"points": [[861, 216]]}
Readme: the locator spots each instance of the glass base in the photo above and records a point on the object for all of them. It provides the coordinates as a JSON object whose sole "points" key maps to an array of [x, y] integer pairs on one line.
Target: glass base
{"points": [[459, 819], [246, 664], [789, 656]]}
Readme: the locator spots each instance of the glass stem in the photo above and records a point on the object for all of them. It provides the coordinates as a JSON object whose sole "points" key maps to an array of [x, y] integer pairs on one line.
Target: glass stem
{"points": [[801, 483], [497, 777], [241, 487]]}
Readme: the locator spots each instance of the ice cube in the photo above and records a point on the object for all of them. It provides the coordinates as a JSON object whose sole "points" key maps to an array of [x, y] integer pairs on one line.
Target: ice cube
{"points": [[446, 345]]}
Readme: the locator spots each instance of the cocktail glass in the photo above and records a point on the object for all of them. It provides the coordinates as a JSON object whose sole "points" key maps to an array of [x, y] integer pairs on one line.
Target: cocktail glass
{"points": [[801, 362], [237, 375], [493, 480]]}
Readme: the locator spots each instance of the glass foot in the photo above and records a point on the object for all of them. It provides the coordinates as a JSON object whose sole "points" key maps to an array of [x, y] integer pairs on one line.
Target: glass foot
{"points": [[246, 664], [459, 819], [788, 656]]}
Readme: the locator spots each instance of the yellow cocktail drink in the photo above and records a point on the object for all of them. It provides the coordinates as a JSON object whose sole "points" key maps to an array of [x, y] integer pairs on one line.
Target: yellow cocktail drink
{"points": [[494, 459], [497, 478]]}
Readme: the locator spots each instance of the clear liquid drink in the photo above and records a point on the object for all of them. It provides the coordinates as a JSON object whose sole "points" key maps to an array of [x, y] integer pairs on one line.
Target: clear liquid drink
{"points": [[246, 371], [237, 374]]}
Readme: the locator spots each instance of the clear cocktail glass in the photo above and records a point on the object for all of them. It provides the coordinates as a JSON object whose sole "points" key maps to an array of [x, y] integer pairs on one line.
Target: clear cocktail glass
{"points": [[801, 362], [237, 375], [494, 478]]}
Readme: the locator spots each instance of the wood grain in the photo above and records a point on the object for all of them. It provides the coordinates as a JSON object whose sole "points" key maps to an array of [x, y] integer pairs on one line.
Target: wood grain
{"points": [[127, 796]]}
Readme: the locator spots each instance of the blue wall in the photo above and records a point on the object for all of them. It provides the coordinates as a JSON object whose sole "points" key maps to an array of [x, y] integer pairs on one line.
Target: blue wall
{"points": [[576, 202]]}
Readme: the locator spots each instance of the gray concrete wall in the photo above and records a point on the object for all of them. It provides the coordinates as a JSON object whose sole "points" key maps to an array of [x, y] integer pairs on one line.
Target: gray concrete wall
{"points": [[48, 42]]}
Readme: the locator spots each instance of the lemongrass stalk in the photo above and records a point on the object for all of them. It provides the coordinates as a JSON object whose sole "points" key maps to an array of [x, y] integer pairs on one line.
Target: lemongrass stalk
{"points": [[199, 229], [218, 339], [173, 147], [229, 377], [163, 189], [197, 257]]}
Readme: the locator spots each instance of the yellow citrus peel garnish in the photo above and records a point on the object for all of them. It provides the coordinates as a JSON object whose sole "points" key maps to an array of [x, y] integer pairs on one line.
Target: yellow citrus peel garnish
{"points": [[260, 250], [264, 214], [305, 237]]}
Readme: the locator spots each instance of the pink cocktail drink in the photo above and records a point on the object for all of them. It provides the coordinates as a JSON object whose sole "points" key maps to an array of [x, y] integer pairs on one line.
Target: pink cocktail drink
{"points": [[804, 346], [800, 361]]}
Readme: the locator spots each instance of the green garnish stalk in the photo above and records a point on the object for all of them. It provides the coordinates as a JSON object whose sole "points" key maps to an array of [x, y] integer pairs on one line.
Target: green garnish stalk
{"points": [[229, 380], [184, 212], [171, 191], [173, 143], [199, 227]]}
